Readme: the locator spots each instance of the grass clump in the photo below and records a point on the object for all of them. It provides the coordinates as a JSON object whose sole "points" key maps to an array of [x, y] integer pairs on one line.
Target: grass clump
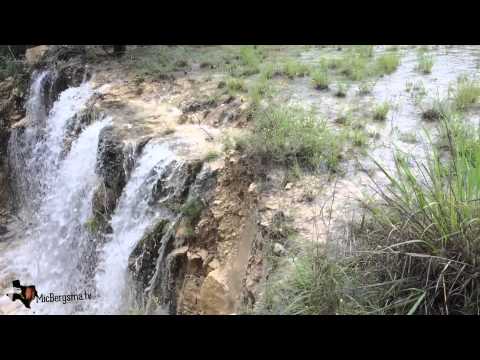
{"points": [[293, 69], [353, 66], [192, 209], [289, 135], [425, 63], [387, 63], [365, 87], [380, 111], [466, 93], [250, 58], [235, 85], [426, 234], [341, 90], [415, 251], [438, 109], [320, 78]]}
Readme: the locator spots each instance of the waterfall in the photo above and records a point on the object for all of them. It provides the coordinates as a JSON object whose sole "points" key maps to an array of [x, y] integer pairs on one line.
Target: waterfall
{"points": [[55, 191], [55, 187], [129, 222]]}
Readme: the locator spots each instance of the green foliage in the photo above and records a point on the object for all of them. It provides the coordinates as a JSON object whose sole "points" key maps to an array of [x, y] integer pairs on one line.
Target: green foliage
{"points": [[235, 85], [466, 93], [380, 111], [425, 63], [192, 209], [320, 78], [387, 63], [292, 135], [292, 69]]}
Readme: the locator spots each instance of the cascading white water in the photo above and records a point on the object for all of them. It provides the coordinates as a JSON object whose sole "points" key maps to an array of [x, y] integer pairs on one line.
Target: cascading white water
{"points": [[62, 186], [129, 222], [57, 203]]}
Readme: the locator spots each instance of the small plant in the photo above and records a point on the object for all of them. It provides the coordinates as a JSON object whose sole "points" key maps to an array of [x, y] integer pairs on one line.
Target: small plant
{"points": [[320, 79], [192, 209], [365, 87], [342, 90], [425, 63], [358, 137], [387, 63], [353, 66], [235, 85], [294, 69], [437, 110], [466, 93], [380, 111], [251, 60]]}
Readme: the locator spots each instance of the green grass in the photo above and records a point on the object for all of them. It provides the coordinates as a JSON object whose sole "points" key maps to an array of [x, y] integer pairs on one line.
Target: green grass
{"points": [[341, 90], [290, 135], [466, 93], [365, 87], [380, 111], [353, 66], [415, 250], [251, 59], [320, 78], [425, 63], [192, 209], [293, 68], [426, 234], [260, 90], [437, 109], [387, 63], [235, 85], [365, 50]]}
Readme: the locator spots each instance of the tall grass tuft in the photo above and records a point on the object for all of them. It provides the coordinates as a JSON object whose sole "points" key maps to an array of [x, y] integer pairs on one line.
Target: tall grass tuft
{"points": [[425, 63], [387, 63], [291, 135], [466, 93]]}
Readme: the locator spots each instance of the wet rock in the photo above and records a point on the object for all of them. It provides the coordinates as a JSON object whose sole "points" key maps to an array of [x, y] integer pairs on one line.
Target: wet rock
{"points": [[110, 158], [142, 260], [33, 55], [171, 189], [279, 249]]}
